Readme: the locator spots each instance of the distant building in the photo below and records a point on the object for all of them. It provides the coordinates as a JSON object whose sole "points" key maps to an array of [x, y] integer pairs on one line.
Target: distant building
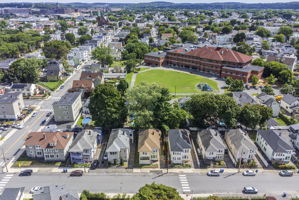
{"points": [[68, 108], [11, 105]]}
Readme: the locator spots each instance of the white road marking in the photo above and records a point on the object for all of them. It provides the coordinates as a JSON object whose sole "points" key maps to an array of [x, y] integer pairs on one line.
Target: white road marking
{"points": [[184, 183]]}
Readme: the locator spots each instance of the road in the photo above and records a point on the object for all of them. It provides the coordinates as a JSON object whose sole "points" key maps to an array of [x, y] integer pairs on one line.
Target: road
{"points": [[11, 146], [267, 183]]}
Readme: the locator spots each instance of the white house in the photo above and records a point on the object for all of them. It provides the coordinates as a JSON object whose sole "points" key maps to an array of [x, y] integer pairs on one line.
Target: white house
{"points": [[275, 146], [289, 102]]}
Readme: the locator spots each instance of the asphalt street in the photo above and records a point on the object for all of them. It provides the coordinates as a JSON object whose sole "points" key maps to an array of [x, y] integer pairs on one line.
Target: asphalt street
{"points": [[266, 183]]}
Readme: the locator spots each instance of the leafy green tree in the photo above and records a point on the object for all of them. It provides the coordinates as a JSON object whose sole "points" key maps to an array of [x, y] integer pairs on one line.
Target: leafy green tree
{"points": [[244, 48], [228, 80], [3, 24], [209, 109], [56, 49], [265, 45], [285, 76], [287, 89], [263, 32], [149, 104], [122, 86], [259, 62], [70, 37], [25, 70], [130, 65], [268, 90], [279, 38], [188, 36], [63, 25], [236, 86], [271, 79], [107, 107], [82, 30], [226, 29], [135, 50], [287, 31], [254, 80], [84, 38], [103, 55], [157, 192], [239, 37]]}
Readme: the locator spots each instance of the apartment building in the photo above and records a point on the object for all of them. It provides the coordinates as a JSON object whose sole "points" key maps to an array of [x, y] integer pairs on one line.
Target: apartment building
{"points": [[11, 105]]}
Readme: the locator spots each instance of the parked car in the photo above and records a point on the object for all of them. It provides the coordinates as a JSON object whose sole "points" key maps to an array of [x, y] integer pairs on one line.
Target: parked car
{"points": [[94, 164], [76, 173], [249, 173], [2, 128], [18, 126], [250, 190], [61, 87], [36, 190], [26, 172], [286, 173], [49, 114], [34, 114], [43, 122], [213, 173]]}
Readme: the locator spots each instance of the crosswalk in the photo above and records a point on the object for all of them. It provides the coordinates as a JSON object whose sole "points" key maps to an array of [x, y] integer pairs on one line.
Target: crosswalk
{"points": [[2, 163], [184, 183], [4, 181]]}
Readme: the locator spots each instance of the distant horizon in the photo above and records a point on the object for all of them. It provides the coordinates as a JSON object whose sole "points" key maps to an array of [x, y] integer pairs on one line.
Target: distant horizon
{"points": [[144, 1]]}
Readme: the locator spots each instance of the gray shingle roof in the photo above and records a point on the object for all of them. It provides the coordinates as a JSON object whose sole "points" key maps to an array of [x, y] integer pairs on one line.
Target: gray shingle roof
{"points": [[240, 140], [179, 139], [211, 140], [118, 140], [68, 98], [243, 98], [85, 140], [275, 141], [55, 192], [9, 97], [289, 99]]}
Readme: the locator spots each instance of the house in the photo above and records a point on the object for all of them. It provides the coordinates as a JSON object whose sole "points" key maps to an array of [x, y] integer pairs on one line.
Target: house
{"points": [[240, 145], [68, 108], [54, 71], [12, 194], [95, 77], [84, 86], [211, 145], [270, 102], [179, 146], [84, 147], [294, 129], [243, 98], [48, 146], [27, 89], [149, 146], [289, 103], [290, 61], [11, 105], [275, 146], [118, 146], [55, 192]]}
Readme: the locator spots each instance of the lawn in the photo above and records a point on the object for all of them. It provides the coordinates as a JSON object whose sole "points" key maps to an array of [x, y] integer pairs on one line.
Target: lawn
{"points": [[24, 161], [178, 82], [51, 85], [280, 121], [129, 77], [118, 64]]}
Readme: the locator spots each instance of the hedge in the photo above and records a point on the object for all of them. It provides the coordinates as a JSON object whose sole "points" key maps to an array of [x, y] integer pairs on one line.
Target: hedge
{"points": [[286, 119]]}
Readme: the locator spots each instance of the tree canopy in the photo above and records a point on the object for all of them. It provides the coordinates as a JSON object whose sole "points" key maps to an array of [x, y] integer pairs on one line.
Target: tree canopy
{"points": [[103, 55], [56, 49]]}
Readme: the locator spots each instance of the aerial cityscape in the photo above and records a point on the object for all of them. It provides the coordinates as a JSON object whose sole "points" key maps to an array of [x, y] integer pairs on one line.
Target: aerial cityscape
{"points": [[143, 100]]}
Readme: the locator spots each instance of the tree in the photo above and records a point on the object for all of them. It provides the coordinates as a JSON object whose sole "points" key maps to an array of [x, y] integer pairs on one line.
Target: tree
{"points": [[236, 85], [285, 76], [3, 24], [84, 38], [268, 90], [82, 30], [287, 31], [228, 80], [135, 50], [122, 86], [279, 38], [239, 37], [188, 36], [244, 48], [209, 109], [63, 25], [254, 80], [103, 55], [70, 37], [56, 49], [107, 107], [271, 79], [226, 29], [265, 45], [25, 70], [157, 192], [149, 104], [287, 89], [263, 32], [130, 65]]}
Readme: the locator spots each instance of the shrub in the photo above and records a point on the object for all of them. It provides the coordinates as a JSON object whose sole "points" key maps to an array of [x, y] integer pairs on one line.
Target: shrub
{"points": [[278, 166], [286, 119]]}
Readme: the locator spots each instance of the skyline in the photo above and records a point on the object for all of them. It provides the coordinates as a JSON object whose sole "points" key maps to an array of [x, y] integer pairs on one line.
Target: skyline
{"points": [[141, 1]]}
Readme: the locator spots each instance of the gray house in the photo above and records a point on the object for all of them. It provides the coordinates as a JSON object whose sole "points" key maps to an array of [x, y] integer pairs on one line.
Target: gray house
{"points": [[211, 144], [118, 147], [11, 105], [240, 145], [84, 147], [179, 146], [68, 108], [290, 103], [270, 102], [242, 98], [56, 192], [54, 71]]}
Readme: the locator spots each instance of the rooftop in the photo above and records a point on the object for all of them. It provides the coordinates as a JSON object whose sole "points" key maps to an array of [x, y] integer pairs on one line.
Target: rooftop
{"points": [[68, 98]]}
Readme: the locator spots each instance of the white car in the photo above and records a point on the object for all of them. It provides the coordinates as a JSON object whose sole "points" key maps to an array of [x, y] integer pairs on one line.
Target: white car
{"points": [[18, 126], [250, 190], [249, 173], [36, 190], [34, 114]]}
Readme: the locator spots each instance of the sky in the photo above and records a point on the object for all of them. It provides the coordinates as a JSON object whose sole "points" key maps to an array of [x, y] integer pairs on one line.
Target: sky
{"points": [[139, 1]]}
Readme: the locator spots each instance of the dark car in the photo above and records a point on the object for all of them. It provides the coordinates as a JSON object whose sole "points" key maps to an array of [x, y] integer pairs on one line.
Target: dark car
{"points": [[27, 172], [43, 122], [49, 114], [250, 190], [94, 164], [76, 173]]}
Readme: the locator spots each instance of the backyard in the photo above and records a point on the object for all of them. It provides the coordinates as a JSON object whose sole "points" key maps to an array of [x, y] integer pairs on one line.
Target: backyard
{"points": [[51, 85], [176, 82]]}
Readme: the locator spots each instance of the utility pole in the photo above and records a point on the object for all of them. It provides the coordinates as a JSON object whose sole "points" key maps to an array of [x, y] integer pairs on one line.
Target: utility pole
{"points": [[3, 156]]}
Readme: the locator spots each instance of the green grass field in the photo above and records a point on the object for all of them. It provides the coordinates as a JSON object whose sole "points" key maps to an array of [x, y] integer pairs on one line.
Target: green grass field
{"points": [[52, 85], [129, 77], [178, 82]]}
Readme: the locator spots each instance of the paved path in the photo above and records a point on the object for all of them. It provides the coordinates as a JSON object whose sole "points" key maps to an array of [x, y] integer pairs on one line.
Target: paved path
{"points": [[133, 80]]}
